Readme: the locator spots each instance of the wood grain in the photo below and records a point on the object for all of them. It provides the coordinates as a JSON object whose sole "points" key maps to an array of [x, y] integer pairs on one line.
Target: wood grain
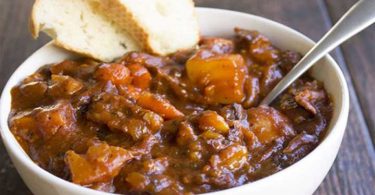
{"points": [[359, 54], [16, 45], [353, 171]]}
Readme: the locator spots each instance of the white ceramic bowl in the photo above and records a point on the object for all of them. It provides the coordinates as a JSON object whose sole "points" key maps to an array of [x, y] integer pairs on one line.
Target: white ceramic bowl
{"points": [[301, 178]]}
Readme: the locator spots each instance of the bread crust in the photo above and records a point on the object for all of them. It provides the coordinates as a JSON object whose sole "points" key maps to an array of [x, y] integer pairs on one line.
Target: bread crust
{"points": [[35, 30], [128, 23], [34, 26], [61, 44], [114, 11], [109, 8]]}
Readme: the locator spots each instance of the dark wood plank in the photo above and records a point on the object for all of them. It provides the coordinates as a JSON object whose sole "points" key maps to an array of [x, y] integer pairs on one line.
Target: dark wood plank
{"points": [[299, 15], [361, 181], [16, 45], [359, 53], [353, 172]]}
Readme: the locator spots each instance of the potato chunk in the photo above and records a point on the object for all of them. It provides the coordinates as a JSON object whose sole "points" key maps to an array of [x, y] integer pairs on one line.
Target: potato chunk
{"points": [[101, 163], [210, 120], [231, 158], [25, 127], [221, 78], [269, 124]]}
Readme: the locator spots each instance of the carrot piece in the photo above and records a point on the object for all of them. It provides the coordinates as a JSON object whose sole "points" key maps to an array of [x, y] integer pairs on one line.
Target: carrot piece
{"points": [[116, 73], [141, 76], [159, 105]]}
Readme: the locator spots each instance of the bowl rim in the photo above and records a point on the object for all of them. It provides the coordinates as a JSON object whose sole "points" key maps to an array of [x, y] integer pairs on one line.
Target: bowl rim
{"points": [[12, 146]]}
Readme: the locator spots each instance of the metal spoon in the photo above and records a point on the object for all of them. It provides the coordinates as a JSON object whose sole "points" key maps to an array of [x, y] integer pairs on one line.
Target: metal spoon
{"points": [[357, 18]]}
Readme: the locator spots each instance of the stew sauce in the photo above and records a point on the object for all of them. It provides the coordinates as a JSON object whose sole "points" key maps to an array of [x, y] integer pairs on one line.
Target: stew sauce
{"points": [[182, 124]]}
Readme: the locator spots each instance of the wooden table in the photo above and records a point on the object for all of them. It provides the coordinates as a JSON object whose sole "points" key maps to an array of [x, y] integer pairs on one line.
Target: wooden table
{"points": [[354, 168]]}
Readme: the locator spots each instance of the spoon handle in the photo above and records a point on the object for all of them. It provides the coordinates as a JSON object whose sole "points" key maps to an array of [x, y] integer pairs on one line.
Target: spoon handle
{"points": [[357, 18]]}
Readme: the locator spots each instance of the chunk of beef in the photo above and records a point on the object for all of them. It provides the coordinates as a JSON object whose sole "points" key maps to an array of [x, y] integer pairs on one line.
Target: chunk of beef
{"points": [[76, 69], [34, 90], [64, 86], [258, 46], [45, 122], [56, 118], [216, 45], [144, 59], [298, 147], [308, 95], [122, 115]]}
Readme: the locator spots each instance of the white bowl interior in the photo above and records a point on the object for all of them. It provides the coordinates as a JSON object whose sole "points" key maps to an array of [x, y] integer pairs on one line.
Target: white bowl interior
{"points": [[213, 22]]}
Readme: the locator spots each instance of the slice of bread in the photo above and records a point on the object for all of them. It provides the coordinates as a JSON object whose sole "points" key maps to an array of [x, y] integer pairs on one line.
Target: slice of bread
{"points": [[76, 26], [160, 26]]}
